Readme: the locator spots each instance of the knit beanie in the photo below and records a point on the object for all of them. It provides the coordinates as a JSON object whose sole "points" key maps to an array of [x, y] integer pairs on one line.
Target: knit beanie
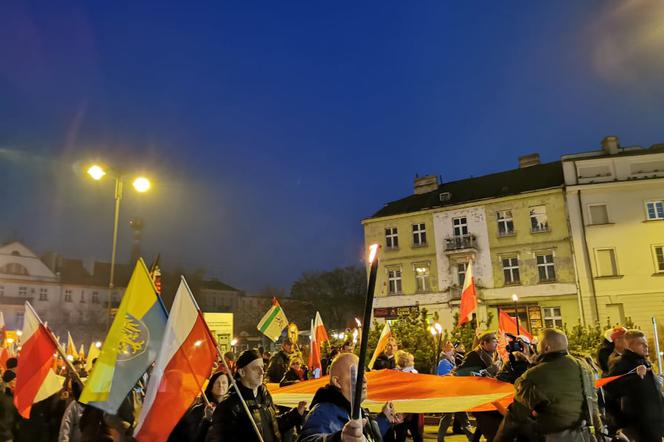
{"points": [[247, 357]]}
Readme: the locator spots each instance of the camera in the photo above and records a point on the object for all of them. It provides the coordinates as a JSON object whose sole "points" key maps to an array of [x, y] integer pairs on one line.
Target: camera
{"points": [[514, 343]]}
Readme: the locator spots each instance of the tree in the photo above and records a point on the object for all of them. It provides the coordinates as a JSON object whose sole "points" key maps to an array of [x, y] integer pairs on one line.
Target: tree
{"points": [[338, 294]]}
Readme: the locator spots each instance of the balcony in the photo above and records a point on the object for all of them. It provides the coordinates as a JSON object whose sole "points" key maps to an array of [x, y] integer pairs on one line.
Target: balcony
{"points": [[460, 244]]}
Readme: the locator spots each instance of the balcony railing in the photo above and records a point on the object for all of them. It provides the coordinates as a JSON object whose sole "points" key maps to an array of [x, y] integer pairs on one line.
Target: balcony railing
{"points": [[456, 243]]}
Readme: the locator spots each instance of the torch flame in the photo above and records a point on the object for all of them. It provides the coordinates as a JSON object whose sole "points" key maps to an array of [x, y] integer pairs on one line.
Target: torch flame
{"points": [[373, 251]]}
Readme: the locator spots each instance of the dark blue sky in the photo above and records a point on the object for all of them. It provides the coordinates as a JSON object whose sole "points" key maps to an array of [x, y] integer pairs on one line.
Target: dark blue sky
{"points": [[273, 128]]}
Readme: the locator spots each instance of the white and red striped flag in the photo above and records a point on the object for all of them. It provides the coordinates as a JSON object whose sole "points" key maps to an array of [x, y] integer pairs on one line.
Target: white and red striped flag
{"points": [[468, 296], [35, 379], [385, 336], [185, 361], [318, 336]]}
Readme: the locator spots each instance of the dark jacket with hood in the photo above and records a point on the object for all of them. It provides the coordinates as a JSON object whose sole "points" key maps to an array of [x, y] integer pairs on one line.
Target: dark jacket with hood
{"points": [[230, 422], [330, 411], [278, 366], [641, 401]]}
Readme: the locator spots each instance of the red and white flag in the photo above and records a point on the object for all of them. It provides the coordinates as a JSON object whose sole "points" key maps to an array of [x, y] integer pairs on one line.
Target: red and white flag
{"points": [[385, 336], [185, 361], [507, 324], [3, 329], [318, 336], [35, 379], [468, 296]]}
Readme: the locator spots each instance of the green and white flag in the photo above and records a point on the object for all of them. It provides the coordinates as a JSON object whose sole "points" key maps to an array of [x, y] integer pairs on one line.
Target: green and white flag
{"points": [[274, 322]]}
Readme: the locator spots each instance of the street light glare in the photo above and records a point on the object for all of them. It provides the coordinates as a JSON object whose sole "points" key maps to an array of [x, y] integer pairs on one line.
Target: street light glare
{"points": [[515, 298], [142, 184], [96, 172]]}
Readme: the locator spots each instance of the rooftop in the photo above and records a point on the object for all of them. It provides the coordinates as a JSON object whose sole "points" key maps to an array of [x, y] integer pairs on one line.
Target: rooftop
{"points": [[511, 182]]}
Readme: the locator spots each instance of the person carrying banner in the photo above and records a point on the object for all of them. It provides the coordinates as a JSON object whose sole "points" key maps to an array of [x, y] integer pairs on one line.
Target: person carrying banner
{"points": [[229, 420], [329, 418]]}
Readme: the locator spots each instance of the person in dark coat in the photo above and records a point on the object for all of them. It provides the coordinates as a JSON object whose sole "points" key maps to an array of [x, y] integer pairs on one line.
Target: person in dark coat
{"points": [[387, 358], [483, 359], [296, 373], [230, 422], [9, 416], [330, 415], [639, 391], [280, 361], [194, 425]]}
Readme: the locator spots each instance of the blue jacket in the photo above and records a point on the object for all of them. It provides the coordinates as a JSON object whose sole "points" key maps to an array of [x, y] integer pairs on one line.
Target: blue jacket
{"points": [[444, 367], [330, 411]]}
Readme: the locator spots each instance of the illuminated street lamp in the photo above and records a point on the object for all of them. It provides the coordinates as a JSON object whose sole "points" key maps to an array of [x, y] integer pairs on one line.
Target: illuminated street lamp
{"points": [[516, 312], [141, 184]]}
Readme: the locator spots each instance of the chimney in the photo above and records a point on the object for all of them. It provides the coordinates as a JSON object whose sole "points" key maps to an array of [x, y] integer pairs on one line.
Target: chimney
{"points": [[611, 144], [426, 184], [531, 159]]}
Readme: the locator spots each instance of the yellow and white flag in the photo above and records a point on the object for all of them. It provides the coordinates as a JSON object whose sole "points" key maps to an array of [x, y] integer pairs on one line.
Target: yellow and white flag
{"points": [[71, 347], [385, 335], [274, 322]]}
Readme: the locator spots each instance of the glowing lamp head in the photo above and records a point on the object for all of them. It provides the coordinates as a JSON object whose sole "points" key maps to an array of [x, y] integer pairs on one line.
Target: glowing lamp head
{"points": [[234, 342], [142, 184], [515, 298], [433, 330], [373, 251], [98, 344], [10, 340], [19, 333], [70, 358], [96, 172], [438, 327]]}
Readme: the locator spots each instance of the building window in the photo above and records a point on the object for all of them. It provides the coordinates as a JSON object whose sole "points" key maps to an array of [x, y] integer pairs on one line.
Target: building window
{"points": [[546, 268], [538, 219], [552, 317], [43, 294], [19, 319], [461, 272], [95, 298], [391, 238], [394, 281], [67, 295], [14, 268], [511, 270], [659, 258], [655, 209], [460, 226], [82, 297], [505, 222], [422, 277], [2, 290], [598, 214], [22, 291], [606, 262], [419, 234]]}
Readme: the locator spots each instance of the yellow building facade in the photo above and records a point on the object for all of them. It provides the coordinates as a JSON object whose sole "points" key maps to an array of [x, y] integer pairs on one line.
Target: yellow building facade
{"points": [[531, 257], [615, 200]]}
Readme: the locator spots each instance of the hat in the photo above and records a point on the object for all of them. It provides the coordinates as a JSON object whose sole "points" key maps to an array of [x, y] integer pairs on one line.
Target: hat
{"points": [[247, 357], [8, 376], [614, 333]]}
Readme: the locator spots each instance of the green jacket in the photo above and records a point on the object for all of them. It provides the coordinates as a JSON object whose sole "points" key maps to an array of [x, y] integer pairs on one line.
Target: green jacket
{"points": [[554, 391]]}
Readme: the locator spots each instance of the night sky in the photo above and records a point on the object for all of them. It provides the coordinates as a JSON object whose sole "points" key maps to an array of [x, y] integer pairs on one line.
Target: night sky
{"points": [[272, 128]]}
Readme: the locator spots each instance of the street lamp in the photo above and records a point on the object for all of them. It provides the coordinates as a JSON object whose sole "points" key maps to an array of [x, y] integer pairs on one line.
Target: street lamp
{"points": [[141, 184], [516, 312], [436, 330]]}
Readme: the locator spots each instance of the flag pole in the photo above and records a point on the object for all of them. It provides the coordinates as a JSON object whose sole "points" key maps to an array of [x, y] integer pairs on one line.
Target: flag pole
{"points": [[368, 305], [228, 370], [70, 367]]}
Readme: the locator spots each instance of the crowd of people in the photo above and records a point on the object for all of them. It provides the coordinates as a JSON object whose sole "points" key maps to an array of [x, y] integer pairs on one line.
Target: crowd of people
{"points": [[555, 398]]}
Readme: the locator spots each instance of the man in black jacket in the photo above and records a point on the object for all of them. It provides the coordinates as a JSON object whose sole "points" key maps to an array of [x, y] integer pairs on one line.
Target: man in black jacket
{"points": [[639, 391], [230, 421], [280, 362]]}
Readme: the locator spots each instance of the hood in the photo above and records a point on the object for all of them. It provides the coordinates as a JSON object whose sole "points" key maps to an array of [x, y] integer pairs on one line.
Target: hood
{"points": [[331, 394]]}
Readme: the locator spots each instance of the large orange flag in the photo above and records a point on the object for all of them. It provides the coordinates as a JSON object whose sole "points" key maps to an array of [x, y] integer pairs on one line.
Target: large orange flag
{"points": [[468, 296]]}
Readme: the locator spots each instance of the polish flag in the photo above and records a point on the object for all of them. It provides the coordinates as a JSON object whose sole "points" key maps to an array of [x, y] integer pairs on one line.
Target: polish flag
{"points": [[318, 336], [185, 361], [468, 296], [35, 379], [385, 336], [507, 324]]}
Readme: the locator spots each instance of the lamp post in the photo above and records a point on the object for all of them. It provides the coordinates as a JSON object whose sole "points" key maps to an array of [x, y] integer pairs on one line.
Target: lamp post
{"points": [[516, 312], [436, 330], [141, 184]]}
